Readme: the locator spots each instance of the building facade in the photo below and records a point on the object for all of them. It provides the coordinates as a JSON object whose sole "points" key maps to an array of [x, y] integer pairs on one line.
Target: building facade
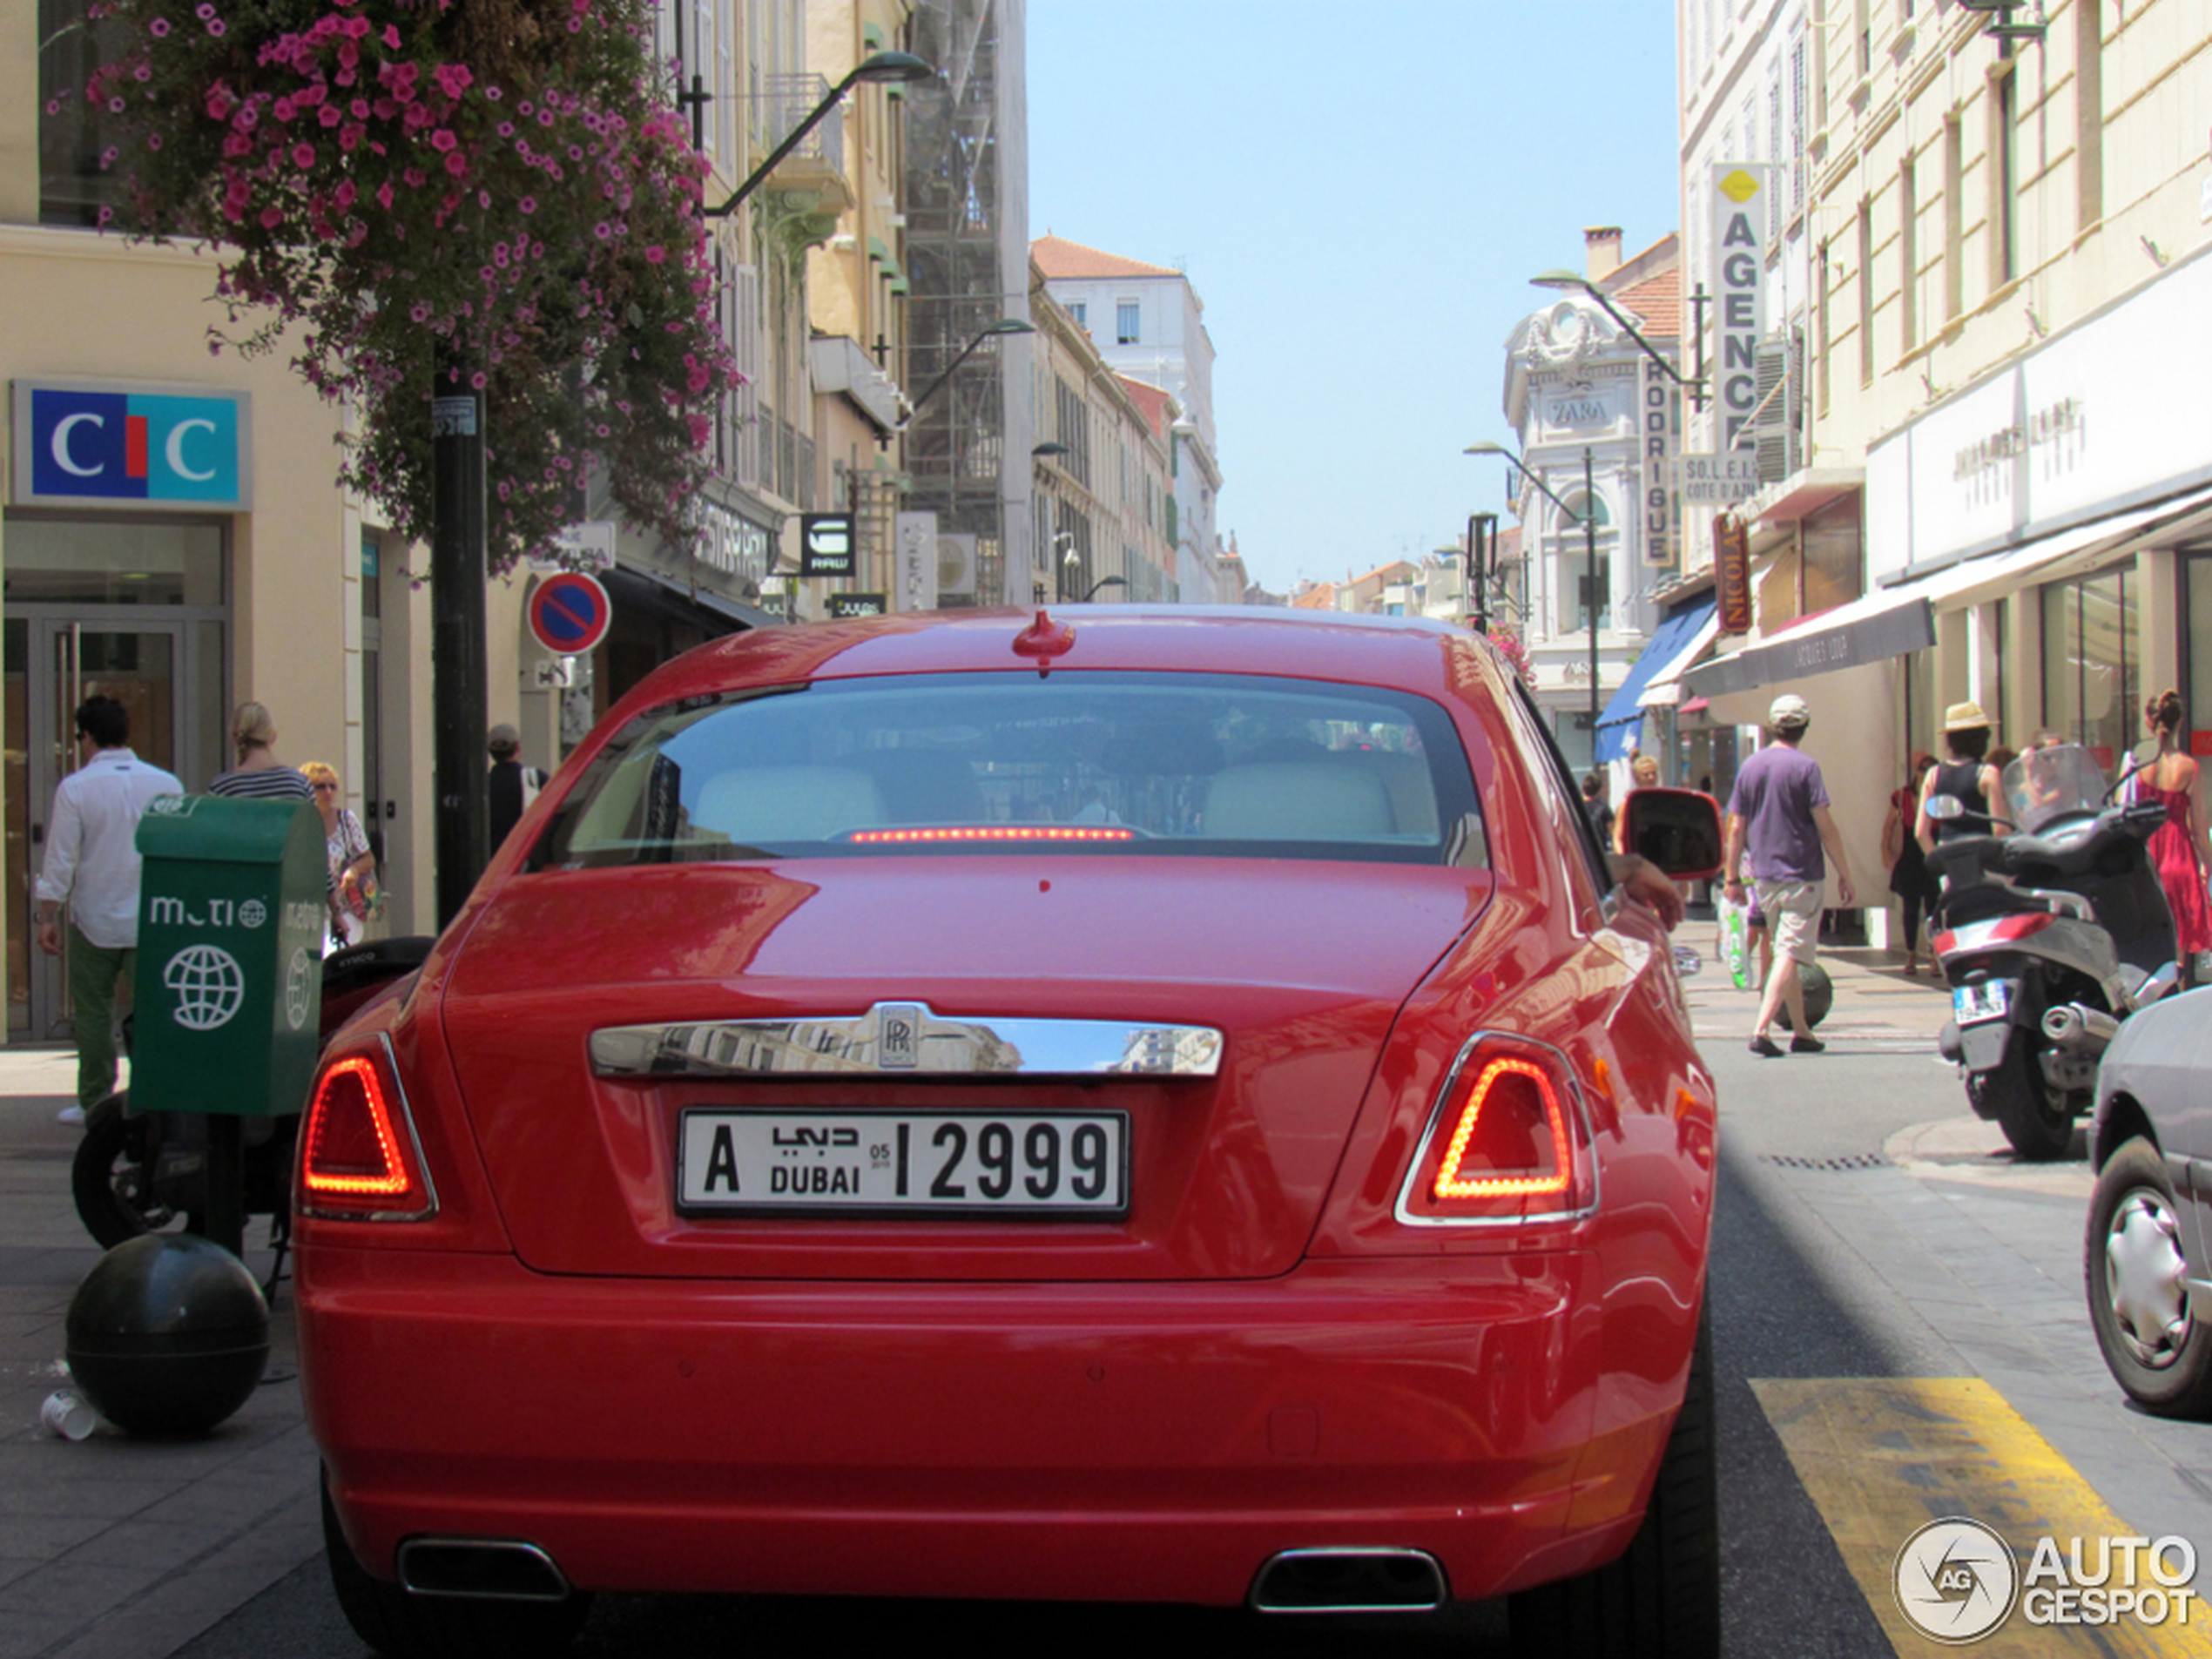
{"points": [[271, 583], [1593, 555], [1147, 322], [1104, 505], [2007, 444]]}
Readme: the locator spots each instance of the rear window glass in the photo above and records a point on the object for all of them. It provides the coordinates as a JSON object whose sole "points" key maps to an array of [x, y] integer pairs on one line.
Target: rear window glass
{"points": [[1082, 763]]}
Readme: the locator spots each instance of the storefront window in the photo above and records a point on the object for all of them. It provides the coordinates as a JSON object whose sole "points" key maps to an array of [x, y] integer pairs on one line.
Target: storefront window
{"points": [[133, 562], [2090, 668], [2196, 566], [72, 186], [1832, 565]]}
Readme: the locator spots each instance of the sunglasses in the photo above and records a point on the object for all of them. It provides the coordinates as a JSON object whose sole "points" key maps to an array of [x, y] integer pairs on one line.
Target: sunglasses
{"points": [[326, 789]]}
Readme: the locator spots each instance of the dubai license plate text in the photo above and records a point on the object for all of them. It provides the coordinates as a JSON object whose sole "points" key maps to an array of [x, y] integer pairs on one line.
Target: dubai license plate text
{"points": [[1027, 1164]]}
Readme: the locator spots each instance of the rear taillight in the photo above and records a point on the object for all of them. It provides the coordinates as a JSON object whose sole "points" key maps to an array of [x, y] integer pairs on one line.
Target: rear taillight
{"points": [[360, 1159], [1998, 930], [1508, 1141]]}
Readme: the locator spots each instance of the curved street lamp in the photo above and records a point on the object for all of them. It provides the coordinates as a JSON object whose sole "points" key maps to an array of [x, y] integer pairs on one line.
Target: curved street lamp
{"points": [[1569, 281], [1105, 582], [1588, 518], [1003, 326], [881, 66]]}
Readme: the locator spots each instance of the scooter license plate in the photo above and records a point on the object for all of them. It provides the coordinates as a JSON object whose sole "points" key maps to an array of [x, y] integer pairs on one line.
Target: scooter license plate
{"points": [[1975, 1004]]}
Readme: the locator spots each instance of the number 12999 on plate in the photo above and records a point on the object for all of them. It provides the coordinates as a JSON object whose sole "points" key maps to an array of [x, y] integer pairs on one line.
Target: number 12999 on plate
{"points": [[966, 1163]]}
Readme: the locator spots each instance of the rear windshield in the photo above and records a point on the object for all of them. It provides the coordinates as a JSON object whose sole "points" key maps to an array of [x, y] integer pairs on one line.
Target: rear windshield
{"points": [[1082, 763]]}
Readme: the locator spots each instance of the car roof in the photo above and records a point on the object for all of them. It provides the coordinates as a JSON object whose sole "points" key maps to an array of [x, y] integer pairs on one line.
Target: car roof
{"points": [[1412, 653]]}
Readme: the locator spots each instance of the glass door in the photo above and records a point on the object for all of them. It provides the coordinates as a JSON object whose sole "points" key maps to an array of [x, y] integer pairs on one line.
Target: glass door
{"points": [[52, 665]]}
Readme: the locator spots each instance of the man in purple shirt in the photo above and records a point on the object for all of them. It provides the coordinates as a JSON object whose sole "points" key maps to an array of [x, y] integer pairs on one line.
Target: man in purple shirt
{"points": [[1780, 812]]}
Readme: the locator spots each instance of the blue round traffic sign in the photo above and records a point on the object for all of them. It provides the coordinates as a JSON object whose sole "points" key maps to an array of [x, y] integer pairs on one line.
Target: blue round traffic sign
{"points": [[570, 612]]}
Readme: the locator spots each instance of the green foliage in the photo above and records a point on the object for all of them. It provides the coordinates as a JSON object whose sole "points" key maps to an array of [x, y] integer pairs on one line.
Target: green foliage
{"points": [[493, 193]]}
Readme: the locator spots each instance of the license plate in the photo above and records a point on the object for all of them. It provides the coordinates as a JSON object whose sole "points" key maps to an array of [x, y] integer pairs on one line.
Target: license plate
{"points": [[1973, 1004], [965, 1164]]}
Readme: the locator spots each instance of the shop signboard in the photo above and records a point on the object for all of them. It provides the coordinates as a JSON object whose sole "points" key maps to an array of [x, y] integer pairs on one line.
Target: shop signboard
{"points": [[1732, 573], [1718, 481], [914, 538], [1739, 284], [825, 544], [843, 605], [1658, 403], [150, 447]]}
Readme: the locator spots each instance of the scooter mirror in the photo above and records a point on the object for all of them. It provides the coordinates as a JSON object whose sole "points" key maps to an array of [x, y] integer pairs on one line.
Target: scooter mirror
{"points": [[1943, 808]]}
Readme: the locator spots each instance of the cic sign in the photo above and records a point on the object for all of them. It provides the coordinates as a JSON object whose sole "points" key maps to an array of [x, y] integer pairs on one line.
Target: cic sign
{"points": [[106, 446]]}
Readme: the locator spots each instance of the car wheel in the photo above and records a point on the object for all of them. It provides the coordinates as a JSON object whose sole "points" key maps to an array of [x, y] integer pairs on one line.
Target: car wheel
{"points": [[2137, 1276], [2038, 1124], [1661, 1600], [112, 1181], [405, 1625]]}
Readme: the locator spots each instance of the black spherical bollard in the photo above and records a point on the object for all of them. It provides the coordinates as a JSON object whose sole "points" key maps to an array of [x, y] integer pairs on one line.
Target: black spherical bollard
{"points": [[168, 1335], [1820, 994]]}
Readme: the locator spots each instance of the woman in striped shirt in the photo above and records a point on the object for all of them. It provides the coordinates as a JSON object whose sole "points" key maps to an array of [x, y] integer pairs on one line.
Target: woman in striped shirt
{"points": [[258, 775]]}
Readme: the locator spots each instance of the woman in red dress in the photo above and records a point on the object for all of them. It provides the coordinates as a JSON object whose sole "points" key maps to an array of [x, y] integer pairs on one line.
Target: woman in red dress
{"points": [[2179, 848]]}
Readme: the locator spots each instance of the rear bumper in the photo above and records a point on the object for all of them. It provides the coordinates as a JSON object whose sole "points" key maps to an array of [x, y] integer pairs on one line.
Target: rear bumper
{"points": [[1152, 1442]]}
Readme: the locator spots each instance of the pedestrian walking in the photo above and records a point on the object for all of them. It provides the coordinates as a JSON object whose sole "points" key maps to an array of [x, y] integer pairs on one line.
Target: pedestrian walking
{"points": [[1779, 814], [2178, 848], [1645, 770], [1596, 808], [92, 869], [1966, 778], [513, 785], [258, 774], [1911, 879], [351, 886]]}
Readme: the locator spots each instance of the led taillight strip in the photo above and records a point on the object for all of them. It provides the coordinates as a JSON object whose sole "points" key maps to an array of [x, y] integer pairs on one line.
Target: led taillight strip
{"points": [[1448, 1183], [992, 833], [396, 1179]]}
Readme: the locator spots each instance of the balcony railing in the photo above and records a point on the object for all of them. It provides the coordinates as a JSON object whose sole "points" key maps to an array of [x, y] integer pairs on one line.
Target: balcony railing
{"points": [[781, 102]]}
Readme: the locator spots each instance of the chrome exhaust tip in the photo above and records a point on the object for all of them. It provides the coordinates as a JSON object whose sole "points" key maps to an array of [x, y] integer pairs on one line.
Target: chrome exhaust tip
{"points": [[1350, 1581], [2075, 1025], [487, 1569]]}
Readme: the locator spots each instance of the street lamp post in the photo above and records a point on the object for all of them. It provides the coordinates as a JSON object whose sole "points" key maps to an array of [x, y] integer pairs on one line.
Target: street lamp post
{"points": [[1003, 326], [1104, 582], [1568, 279], [881, 66], [1588, 517]]}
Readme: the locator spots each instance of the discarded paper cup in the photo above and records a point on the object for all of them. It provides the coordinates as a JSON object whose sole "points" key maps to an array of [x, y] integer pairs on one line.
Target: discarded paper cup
{"points": [[66, 1417]]}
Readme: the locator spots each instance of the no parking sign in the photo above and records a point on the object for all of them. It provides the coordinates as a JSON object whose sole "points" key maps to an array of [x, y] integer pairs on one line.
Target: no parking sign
{"points": [[569, 613]]}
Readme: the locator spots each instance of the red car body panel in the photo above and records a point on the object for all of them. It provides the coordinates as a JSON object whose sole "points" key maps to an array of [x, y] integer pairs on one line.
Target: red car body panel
{"points": [[1262, 1355]]}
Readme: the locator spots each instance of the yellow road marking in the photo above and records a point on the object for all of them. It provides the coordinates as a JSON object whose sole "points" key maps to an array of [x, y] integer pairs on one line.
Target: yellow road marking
{"points": [[1881, 1458]]}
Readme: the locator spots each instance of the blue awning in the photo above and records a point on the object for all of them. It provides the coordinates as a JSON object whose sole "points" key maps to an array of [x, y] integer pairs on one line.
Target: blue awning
{"points": [[1622, 724]]}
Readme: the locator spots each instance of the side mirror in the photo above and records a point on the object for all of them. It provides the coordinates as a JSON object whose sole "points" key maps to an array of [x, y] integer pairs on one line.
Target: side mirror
{"points": [[1679, 830], [1944, 808]]}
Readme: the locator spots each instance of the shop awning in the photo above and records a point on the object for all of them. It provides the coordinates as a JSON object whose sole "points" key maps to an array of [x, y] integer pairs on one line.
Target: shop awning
{"points": [[1881, 625], [716, 611], [2047, 558], [1664, 690], [1623, 721]]}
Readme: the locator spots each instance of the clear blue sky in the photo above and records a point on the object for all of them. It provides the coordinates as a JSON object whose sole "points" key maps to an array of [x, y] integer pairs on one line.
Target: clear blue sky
{"points": [[1359, 193]]}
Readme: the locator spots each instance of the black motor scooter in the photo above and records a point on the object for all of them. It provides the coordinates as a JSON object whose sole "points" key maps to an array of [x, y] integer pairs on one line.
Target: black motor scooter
{"points": [[137, 1175], [2050, 938]]}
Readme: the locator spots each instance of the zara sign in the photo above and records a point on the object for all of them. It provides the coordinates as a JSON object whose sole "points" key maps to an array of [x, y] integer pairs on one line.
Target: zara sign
{"points": [[79, 445]]}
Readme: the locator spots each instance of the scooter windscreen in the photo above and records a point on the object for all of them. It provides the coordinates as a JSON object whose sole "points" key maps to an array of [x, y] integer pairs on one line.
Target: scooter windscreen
{"points": [[2044, 786]]}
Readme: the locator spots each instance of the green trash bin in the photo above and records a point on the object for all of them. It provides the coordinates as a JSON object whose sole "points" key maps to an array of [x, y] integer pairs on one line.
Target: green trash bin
{"points": [[232, 917]]}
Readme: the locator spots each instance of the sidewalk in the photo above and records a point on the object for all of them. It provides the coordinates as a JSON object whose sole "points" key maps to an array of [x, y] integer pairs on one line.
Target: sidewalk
{"points": [[111, 1547], [1875, 1000]]}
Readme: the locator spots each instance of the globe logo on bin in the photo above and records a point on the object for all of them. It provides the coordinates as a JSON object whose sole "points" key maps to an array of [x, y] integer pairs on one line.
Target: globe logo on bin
{"points": [[209, 984], [295, 988]]}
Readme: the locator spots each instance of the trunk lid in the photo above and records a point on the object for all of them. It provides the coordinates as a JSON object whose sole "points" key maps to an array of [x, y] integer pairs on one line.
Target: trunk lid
{"points": [[1300, 966]]}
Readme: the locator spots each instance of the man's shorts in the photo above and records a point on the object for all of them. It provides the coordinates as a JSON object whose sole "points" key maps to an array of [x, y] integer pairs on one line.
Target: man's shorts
{"points": [[1793, 912]]}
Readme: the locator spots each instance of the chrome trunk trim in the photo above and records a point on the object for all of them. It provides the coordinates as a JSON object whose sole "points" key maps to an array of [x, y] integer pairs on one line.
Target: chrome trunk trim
{"points": [[907, 1040]]}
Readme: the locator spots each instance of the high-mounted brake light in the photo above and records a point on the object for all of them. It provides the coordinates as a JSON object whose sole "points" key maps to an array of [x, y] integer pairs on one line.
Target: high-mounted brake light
{"points": [[1507, 1141], [359, 1156], [992, 832]]}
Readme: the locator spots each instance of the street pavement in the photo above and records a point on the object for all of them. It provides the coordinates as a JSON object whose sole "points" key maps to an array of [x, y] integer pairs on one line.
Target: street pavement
{"points": [[1861, 1166]]}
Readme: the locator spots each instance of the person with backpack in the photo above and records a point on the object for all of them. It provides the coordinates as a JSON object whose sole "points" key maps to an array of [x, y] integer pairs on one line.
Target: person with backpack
{"points": [[513, 786]]}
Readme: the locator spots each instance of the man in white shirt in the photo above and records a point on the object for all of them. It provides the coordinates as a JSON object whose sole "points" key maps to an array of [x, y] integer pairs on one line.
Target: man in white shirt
{"points": [[92, 867]]}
